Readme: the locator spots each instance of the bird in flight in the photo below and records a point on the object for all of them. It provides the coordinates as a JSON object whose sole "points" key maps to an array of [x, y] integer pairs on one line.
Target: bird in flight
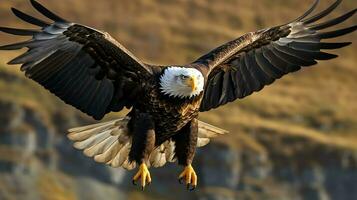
{"points": [[91, 71]]}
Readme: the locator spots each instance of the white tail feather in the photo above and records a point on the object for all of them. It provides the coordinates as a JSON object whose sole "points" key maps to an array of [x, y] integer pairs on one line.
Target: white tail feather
{"points": [[170, 151], [121, 156], [100, 147], [110, 143], [202, 142], [158, 157], [93, 140], [109, 154]]}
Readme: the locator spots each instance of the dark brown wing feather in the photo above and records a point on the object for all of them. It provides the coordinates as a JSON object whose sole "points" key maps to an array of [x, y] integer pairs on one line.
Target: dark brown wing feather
{"points": [[86, 68], [247, 64]]}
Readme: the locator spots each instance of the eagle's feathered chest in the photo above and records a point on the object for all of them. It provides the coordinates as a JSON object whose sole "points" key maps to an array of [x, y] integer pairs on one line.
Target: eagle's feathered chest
{"points": [[170, 114]]}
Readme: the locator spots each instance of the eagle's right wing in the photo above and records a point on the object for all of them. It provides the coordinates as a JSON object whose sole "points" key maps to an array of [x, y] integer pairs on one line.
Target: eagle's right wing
{"points": [[84, 67], [255, 60]]}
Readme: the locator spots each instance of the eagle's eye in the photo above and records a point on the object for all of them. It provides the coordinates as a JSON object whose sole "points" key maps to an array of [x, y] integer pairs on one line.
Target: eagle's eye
{"points": [[183, 77]]}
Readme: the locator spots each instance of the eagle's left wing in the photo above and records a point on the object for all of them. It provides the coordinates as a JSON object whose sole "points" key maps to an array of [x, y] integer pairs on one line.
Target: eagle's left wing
{"points": [[84, 67], [247, 64]]}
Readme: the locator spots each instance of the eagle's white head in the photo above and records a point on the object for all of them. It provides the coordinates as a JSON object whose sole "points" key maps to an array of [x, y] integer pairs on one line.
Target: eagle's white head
{"points": [[181, 82]]}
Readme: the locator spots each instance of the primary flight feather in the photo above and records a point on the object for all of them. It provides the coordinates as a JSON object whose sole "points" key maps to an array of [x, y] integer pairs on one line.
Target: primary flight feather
{"points": [[91, 71]]}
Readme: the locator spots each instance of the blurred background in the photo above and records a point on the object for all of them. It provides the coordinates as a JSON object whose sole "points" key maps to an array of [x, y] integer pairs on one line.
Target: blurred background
{"points": [[297, 139]]}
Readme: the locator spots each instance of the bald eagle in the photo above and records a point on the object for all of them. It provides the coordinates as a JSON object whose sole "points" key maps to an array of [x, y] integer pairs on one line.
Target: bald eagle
{"points": [[91, 71]]}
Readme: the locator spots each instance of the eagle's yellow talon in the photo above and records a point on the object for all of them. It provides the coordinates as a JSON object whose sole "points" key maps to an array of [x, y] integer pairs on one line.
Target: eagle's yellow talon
{"points": [[190, 177], [144, 175]]}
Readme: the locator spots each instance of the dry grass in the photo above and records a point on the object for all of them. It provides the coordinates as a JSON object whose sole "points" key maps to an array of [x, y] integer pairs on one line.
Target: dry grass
{"points": [[9, 154], [55, 186]]}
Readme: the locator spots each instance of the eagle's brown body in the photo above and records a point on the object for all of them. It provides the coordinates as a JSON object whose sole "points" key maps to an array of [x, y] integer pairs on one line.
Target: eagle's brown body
{"points": [[169, 114]]}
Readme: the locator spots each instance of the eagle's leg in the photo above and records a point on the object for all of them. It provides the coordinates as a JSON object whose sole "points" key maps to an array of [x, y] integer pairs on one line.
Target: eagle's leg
{"points": [[186, 142], [143, 143]]}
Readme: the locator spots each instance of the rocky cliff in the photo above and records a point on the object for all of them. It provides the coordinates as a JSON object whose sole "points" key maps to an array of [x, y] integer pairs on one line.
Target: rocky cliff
{"points": [[38, 162]]}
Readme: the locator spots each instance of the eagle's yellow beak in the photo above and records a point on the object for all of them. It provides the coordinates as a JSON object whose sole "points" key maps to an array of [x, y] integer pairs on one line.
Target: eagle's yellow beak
{"points": [[191, 82]]}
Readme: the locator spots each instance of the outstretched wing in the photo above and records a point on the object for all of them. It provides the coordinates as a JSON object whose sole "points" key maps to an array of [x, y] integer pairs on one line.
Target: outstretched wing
{"points": [[86, 68], [247, 64]]}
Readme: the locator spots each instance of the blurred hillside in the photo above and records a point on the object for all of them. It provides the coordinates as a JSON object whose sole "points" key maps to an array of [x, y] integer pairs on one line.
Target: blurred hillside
{"points": [[294, 140]]}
